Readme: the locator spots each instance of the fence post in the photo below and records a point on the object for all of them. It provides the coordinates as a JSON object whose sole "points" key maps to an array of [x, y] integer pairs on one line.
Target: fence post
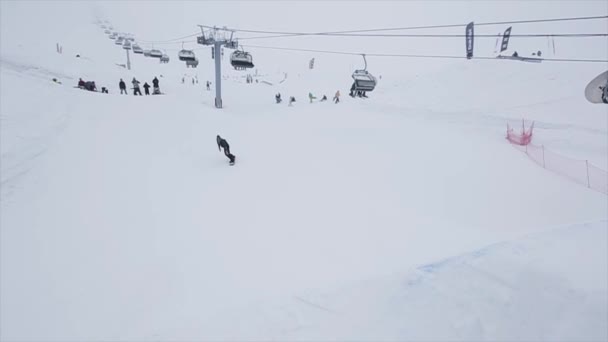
{"points": [[543, 146], [587, 165]]}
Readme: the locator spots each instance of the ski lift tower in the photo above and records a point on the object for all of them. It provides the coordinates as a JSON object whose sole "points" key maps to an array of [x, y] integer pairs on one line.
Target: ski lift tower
{"points": [[217, 38]]}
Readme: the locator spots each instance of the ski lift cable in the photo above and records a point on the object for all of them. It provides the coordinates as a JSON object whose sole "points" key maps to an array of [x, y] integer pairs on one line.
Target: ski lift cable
{"points": [[417, 56], [528, 35], [279, 34], [418, 27]]}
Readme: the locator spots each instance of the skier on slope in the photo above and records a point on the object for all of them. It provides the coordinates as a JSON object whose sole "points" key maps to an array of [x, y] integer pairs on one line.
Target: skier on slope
{"points": [[222, 143], [311, 97], [136, 87], [122, 86], [337, 97]]}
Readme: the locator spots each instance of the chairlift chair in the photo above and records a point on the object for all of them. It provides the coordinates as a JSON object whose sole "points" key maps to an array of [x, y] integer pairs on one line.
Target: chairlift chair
{"points": [[364, 81], [147, 53], [107, 32], [156, 53], [118, 41], [164, 58], [192, 63], [186, 55], [241, 60], [137, 49], [127, 45]]}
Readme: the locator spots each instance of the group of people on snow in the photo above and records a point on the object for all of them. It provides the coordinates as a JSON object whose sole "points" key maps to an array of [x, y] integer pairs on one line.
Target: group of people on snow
{"points": [[194, 79], [311, 97], [136, 90], [336, 98]]}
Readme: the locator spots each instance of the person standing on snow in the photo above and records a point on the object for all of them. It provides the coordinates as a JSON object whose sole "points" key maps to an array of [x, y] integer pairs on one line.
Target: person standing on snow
{"points": [[146, 88], [123, 87], [222, 143], [155, 83], [311, 97], [136, 87], [337, 97], [208, 85]]}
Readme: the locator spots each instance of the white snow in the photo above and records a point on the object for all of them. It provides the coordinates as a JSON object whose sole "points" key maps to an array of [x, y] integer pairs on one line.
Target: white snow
{"points": [[404, 216]]}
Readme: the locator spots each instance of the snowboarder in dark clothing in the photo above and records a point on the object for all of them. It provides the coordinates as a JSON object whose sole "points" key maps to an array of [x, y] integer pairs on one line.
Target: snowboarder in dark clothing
{"points": [[81, 83], [155, 83], [122, 86], [146, 88], [324, 98], [90, 86], [277, 97], [222, 143]]}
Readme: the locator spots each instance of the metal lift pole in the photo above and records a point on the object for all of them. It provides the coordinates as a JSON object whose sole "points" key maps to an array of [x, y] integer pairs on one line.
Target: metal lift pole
{"points": [[218, 74]]}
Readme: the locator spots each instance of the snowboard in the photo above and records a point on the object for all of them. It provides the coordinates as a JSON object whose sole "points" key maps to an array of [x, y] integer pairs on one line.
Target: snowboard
{"points": [[593, 92]]}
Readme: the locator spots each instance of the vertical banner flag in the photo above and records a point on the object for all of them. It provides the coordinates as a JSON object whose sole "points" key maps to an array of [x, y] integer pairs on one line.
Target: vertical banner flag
{"points": [[505, 39], [469, 40]]}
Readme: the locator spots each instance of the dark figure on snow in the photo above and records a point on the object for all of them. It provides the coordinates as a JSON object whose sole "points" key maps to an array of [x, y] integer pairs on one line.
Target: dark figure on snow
{"points": [[515, 54], [156, 83], [324, 98], [104, 90], [337, 97], [292, 100], [89, 85], [604, 90], [222, 143], [208, 85], [122, 86], [146, 88], [136, 87], [277, 98]]}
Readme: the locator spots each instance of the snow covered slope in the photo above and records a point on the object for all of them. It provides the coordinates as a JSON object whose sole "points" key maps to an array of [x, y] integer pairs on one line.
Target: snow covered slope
{"points": [[483, 295], [121, 221]]}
